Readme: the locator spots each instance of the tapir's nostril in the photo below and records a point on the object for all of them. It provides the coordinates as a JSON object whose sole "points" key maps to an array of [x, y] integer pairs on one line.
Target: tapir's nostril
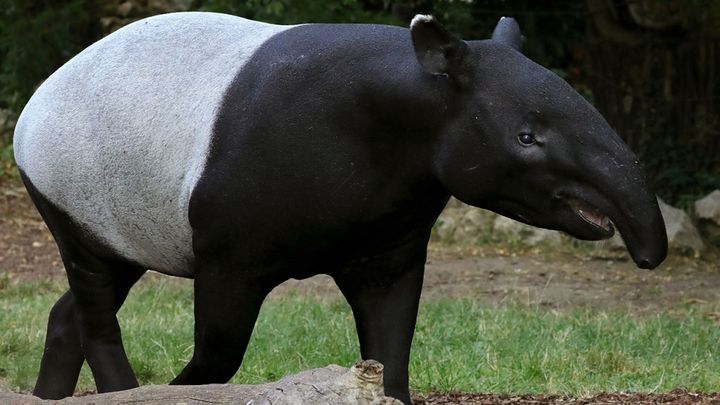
{"points": [[645, 264]]}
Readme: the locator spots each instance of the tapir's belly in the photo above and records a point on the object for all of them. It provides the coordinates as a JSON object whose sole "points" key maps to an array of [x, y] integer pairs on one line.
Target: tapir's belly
{"points": [[117, 138]]}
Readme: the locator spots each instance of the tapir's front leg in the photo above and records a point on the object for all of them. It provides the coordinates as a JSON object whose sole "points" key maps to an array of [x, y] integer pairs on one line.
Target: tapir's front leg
{"points": [[384, 292], [227, 303]]}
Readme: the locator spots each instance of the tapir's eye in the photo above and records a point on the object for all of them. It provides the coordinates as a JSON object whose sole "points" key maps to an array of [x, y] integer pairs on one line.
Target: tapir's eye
{"points": [[526, 138]]}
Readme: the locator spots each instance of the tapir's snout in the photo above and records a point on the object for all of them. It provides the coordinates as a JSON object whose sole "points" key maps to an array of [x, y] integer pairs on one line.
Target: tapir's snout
{"points": [[631, 205], [602, 183], [653, 253], [649, 264], [594, 209], [643, 230], [651, 257]]}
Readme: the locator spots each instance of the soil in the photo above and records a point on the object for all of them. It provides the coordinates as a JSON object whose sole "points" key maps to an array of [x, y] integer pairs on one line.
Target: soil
{"points": [[677, 397], [556, 279]]}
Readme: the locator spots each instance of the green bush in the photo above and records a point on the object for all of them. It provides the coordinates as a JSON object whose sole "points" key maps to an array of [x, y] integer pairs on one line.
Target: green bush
{"points": [[36, 37], [303, 11]]}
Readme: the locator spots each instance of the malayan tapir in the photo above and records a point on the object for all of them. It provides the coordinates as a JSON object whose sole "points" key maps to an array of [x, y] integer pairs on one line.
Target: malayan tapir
{"points": [[243, 154]]}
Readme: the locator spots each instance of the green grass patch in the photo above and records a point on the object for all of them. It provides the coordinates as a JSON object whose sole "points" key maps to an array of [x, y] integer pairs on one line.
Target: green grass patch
{"points": [[459, 344]]}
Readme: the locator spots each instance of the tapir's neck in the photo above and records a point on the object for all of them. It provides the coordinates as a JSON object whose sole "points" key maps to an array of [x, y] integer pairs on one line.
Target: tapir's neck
{"points": [[410, 105], [353, 124]]}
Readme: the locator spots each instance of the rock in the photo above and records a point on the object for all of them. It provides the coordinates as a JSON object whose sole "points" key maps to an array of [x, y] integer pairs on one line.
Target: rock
{"points": [[127, 9], [526, 233], [362, 384], [681, 232], [463, 224], [708, 207], [120, 13], [707, 210], [474, 225], [455, 203], [445, 226], [168, 6], [614, 243]]}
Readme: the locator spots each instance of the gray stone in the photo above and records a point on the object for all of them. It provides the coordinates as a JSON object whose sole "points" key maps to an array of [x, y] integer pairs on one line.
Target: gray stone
{"points": [[681, 232], [463, 224], [708, 207], [616, 242], [707, 210], [474, 225], [445, 226], [122, 13], [455, 203], [168, 6], [525, 233]]}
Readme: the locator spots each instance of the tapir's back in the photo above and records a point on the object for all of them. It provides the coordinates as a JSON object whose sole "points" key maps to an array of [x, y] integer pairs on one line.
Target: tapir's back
{"points": [[118, 137]]}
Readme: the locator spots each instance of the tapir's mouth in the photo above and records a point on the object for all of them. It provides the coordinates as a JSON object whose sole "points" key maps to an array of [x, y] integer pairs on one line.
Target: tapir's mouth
{"points": [[591, 215]]}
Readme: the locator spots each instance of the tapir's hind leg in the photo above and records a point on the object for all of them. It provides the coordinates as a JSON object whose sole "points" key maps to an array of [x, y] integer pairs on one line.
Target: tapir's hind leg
{"points": [[63, 357], [98, 287]]}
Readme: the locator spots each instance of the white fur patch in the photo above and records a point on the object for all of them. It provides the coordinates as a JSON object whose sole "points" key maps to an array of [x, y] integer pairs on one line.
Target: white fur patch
{"points": [[421, 18], [118, 136]]}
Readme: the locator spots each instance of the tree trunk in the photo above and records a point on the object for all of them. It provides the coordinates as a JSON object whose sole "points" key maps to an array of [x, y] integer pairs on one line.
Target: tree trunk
{"points": [[655, 77]]}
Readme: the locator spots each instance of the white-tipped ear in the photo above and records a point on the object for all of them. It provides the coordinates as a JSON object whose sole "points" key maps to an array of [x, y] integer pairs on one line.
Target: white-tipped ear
{"points": [[438, 51], [507, 31]]}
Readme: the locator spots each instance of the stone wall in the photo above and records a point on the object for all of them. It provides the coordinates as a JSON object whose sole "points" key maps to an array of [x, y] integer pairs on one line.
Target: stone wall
{"points": [[466, 225]]}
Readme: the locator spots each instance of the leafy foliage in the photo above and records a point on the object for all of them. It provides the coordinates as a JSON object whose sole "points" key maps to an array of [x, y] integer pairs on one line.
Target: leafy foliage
{"points": [[303, 11], [36, 37]]}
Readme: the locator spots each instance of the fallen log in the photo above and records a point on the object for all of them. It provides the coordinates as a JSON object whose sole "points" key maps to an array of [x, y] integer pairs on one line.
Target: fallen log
{"points": [[362, 384]]}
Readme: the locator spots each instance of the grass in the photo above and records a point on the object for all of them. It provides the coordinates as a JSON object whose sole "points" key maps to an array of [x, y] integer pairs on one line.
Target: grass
{"points": [[459, 344]]}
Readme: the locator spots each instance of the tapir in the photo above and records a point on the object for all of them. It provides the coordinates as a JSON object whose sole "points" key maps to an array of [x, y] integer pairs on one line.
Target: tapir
{"points": [[243, 154]]}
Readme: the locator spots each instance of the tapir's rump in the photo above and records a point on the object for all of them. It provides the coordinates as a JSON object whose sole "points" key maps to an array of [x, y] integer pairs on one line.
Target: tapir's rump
{"points": [[117, 137]]}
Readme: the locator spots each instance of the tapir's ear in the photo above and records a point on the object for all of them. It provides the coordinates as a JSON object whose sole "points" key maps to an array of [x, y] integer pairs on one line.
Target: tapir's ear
{"points": [[438, 51], [507, 31]]}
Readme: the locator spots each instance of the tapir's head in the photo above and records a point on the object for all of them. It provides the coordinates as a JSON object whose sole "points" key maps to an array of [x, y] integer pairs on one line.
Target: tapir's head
{"points": [[521, 142]]}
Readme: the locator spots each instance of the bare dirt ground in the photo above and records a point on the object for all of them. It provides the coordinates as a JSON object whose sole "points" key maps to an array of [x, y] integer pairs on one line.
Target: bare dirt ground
{"points": [[564, 279], [676, 397]]}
